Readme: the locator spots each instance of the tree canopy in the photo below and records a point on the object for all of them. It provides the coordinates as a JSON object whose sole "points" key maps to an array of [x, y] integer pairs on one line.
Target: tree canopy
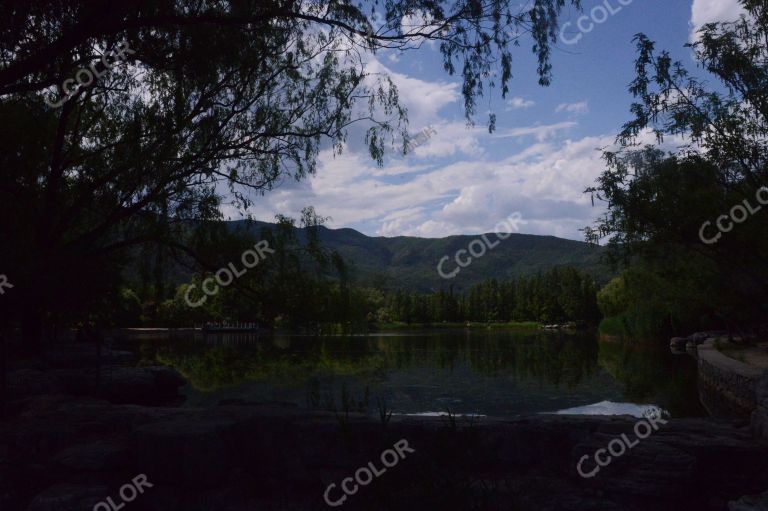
{"points": [[207, 98], [679, 218]]}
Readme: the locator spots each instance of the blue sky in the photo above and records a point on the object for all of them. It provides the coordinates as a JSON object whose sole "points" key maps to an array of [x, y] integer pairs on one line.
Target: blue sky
{"points": [[545, 151]]}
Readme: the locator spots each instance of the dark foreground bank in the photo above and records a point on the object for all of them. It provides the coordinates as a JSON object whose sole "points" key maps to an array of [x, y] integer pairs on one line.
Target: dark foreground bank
{"points": [[129, 448], [68, 453]]}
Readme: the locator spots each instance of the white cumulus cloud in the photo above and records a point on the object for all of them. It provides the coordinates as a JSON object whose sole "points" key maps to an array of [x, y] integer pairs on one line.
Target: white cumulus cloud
{"points": [[518, 103], [710, 11]]}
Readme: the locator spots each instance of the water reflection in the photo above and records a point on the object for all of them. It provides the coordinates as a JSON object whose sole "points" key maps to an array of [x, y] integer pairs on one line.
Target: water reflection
{"points": [[650, 373], [486, 373], [611, 408]]}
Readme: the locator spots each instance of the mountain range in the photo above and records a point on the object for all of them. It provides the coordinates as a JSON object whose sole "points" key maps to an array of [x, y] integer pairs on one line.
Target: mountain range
{"points": [[411, 263]]}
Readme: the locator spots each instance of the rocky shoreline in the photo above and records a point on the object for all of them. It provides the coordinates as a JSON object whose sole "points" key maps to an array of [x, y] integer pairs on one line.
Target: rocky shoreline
{"points": [[67, 453], [79, 369], [63, 451]]}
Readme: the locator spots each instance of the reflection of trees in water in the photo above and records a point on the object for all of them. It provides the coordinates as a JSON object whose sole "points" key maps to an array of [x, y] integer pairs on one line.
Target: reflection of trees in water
{"points": [[523, 357], [559, 361], [545, 359], [212, 367], [652, 374]]}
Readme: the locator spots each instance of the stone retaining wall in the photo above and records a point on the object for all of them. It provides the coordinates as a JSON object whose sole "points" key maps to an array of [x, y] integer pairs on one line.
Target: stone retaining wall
{"points": [[731, 389], [760, 415]]}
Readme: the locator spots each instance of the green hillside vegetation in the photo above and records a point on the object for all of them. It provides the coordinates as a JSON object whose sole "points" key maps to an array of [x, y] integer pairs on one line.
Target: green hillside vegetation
{"points": [[410, 263], [306, 284]]}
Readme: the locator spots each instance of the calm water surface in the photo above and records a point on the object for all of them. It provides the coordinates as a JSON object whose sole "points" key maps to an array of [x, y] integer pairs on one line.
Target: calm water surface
{"points": [[498, 373]]}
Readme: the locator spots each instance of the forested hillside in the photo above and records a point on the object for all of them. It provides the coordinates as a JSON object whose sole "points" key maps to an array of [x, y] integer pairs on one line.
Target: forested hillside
{"points": [[410, 263], [311, 277]]}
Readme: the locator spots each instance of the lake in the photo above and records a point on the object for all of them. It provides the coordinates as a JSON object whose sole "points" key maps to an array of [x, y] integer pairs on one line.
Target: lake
{"points": [[483, 372]]}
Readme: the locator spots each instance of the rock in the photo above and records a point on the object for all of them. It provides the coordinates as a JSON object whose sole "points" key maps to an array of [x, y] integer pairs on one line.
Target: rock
{"points": [[678, 342], [80, 355], [156, 385], [24, 383], [68, 497], [51, 424], [750, 503], [760, 414], [283, 458], [82, 370], [190, 452], [759, 423], [101, 455], [699, 337]]}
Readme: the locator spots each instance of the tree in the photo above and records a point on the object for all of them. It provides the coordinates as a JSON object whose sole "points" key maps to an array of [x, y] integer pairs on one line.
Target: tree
{"points": [[207, 97], [660, 204]]}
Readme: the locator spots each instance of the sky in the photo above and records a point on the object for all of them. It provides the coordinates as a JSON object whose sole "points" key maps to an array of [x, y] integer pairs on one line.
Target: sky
{"points": [[545, 152]]}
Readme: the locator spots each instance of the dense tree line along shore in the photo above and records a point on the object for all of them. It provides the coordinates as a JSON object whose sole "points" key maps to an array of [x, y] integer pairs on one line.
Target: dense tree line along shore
{"points": [[557, 296]]}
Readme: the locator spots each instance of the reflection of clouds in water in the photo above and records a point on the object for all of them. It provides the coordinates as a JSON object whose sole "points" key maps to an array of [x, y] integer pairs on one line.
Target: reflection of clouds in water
{"points": [[611, 408]]}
